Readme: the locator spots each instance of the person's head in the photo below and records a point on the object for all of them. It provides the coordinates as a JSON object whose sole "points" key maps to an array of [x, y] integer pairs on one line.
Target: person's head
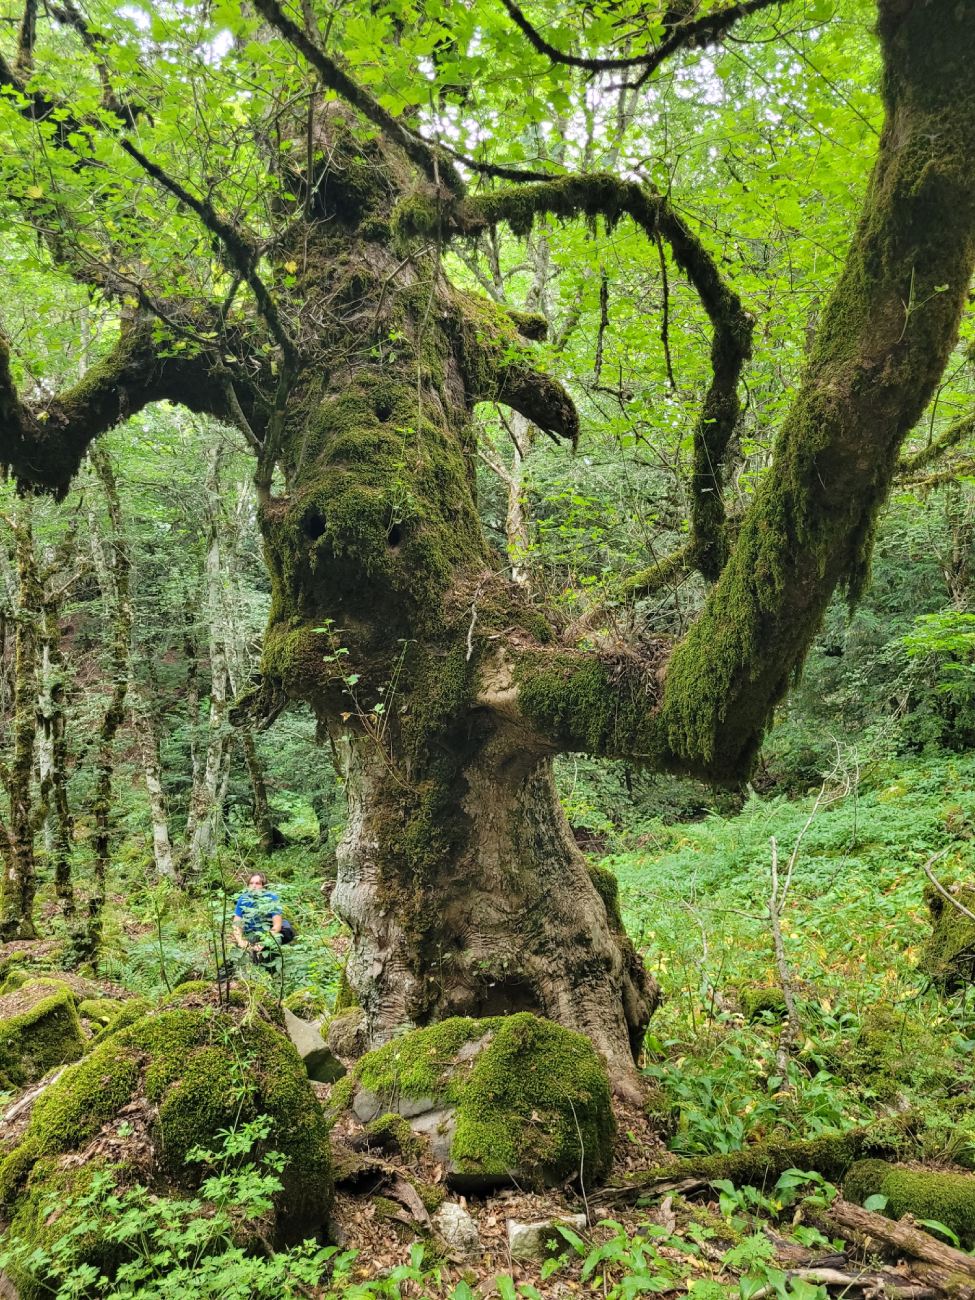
{"points": [[257, 881]]}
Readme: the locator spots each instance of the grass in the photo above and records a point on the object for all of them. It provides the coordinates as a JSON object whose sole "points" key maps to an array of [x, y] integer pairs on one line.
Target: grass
{"points": [[694, 899]]}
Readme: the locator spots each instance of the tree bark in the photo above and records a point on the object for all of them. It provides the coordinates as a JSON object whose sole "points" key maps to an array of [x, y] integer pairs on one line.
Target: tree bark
{"points": [[117, 595], [513, 921], [205, 812], [20, 880], [146, 725]]}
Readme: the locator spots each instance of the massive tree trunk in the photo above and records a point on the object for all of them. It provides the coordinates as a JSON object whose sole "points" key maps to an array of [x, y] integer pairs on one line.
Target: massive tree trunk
{"points": [[457, 875]]}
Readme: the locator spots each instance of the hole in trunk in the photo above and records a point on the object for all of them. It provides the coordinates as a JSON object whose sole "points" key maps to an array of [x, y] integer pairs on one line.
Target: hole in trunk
{"points": [[395, 535], [384, 409], [504, 995], [313, 525]]}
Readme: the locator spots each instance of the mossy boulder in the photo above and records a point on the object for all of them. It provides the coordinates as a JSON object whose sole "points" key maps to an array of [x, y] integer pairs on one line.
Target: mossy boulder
{"points": [[890, 1049], [758, 1000], [506, 1100], [948, 958], [947, 1198], [39, 1030], [140, 1102], [309, 1004]]}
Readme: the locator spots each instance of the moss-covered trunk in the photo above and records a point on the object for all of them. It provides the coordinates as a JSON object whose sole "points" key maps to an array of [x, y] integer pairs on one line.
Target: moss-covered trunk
{"points": [[470, 898], [457, 875]]}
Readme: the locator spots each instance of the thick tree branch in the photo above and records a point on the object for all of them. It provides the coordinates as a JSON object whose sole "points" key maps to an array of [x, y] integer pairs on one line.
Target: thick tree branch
{"points": [[692, 32], [883, 344], [497, 367], [43, 443], [435, 166], [609, 197]]}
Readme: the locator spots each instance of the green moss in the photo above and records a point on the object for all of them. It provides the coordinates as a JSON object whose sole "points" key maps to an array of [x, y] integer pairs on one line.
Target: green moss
{"points": [[592, 703], [758, 999], [760, 1165], [345, 998], [37, 1039], [128, 1013], [101, 1010], [391, 1132], [50, 1210], [309, 1004], [948, 958], [945, 1197], [891, 1048], [533, 1101], [199, 1071]]}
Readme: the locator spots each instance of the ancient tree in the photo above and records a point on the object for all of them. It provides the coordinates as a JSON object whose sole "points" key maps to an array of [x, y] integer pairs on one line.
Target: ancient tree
{"points": [[333, 338]]}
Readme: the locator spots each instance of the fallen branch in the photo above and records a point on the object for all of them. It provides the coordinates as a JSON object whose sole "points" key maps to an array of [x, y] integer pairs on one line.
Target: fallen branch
{"points": [[902, 1236]]}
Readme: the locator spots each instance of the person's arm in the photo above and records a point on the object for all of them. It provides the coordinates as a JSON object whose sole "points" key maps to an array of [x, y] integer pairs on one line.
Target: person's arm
{"points": [[238, 926]]}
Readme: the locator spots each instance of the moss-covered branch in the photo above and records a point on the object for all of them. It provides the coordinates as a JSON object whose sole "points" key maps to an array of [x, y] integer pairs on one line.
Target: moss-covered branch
{"points": [[497, 367], [909, 466], [883, 344], [606, 196], [44, 442]]}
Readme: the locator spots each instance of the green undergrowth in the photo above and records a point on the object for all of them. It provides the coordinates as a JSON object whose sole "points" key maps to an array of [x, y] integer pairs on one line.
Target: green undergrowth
{"points": [[876, 1040]]}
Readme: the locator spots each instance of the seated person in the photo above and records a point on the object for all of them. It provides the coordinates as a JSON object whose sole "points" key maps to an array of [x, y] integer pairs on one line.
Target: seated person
{"points": [[258, 918]]}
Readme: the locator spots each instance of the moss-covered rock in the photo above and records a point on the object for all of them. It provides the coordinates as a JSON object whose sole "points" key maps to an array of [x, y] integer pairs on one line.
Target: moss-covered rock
{"points": [[39, 1030], [309, 1004], [169, 1083], [100, 1011], [892, 1048], [506, 1099], [945, 1197], [760, 999], [948, 958]]}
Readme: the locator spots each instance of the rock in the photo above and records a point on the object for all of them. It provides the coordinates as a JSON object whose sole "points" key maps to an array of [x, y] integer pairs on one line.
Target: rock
{"points": [[39, 1030], [347, 1034], [138, 1105], [508, 1100], [458, 1230], [541, 1240], [320, 1062]]}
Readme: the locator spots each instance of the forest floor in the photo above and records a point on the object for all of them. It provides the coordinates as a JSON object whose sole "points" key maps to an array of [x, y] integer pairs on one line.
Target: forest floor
{"points": [[877, 1047]]}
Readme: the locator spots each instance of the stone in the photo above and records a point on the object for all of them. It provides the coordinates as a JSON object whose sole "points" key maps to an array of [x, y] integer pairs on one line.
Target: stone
{"points": [[541, 1240], [346, 1034], [506, 1101], [322, 1064], [458, 1230]]}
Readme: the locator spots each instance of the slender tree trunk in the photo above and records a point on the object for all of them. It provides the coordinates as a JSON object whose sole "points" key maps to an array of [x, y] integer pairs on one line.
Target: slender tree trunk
{"points": [[58, 822], [118, 598], [20, 883], [146, 725], [206, 809]]}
